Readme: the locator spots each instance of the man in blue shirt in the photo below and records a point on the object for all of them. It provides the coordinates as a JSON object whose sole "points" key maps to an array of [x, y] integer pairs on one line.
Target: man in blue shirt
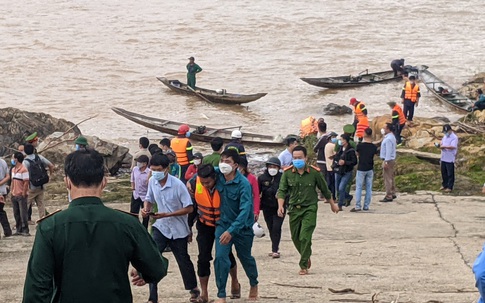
{"points": [[286, 156], [388, 155], [171, 227], [234, 225]]}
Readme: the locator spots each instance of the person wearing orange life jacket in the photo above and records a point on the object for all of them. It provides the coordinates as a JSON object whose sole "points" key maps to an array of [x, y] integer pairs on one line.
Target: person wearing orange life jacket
{"points": [[183, 149], [208, 200], [398, 120], [236, 143], [360, 111], [309, 126], [362, 125], [410, 97]]}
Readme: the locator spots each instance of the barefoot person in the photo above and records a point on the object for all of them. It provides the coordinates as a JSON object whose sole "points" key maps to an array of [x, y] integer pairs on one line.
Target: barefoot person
{"points": [[235, 226], [82, 254], [300, 182]]}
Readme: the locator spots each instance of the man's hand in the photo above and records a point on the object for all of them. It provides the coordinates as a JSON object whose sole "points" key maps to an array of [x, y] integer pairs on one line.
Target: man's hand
{"points": [[341, 162], [189, 187], [190, 237], [225, 238], [136, 279], [281, 211], [386, 165], [144, 213], [334, 207], [159, 215], [417, 103]]}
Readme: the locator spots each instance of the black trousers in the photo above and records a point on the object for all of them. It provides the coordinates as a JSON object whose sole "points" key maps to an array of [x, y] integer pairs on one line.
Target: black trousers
{"points": [[205, 242], [331, 183], [408, 109], [448, 174], [397, 132], [181, 254], [20, 209], [135, 206], [274, 223], [7, 231]]}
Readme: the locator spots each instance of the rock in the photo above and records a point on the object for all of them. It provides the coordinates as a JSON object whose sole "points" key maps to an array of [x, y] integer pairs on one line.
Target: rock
{"points": [[470, 87], [16, 124], [56, 148], [479, 116], [333, 109]]}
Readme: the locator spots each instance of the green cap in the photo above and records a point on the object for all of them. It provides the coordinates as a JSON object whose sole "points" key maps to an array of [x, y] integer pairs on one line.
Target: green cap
{"points": [[31, 137], [349, 129], [81, 141]]}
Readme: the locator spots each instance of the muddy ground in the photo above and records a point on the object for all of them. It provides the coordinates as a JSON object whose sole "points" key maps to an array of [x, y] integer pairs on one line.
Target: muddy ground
{"points": [[419, 248]]}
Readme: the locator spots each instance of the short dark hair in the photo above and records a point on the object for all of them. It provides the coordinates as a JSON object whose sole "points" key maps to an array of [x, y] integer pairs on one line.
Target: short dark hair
{"points": [[206, 171], [159, 159], [368, 131], [144, 142], [390, 127], [231, 153], [290, 140], [85, 168], [151, 147], [322, 126], [217, 143], [165, 142], [29, 149], [143, 159], [412, 78], [301, 148], [19, 156], [156, 150], [480, 91]]}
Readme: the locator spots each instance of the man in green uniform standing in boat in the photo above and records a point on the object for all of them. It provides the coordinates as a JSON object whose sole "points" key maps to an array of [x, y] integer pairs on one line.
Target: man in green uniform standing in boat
{"points": [[192, 69]]}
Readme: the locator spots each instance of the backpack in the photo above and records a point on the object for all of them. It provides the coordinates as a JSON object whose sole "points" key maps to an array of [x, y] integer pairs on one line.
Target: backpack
{"points": [[37, 173]]}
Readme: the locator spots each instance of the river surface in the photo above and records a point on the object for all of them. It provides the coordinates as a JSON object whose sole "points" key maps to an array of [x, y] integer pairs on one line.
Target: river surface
{"points": [[76, 59]]}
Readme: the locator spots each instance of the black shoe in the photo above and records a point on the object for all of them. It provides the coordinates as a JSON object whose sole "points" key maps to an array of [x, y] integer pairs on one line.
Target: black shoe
{"points": [[25, 234], [7, 235], [354, 210], [366, 209], [17, 234], [386, 199], [394, 197], [347, 202], [340, 208]]}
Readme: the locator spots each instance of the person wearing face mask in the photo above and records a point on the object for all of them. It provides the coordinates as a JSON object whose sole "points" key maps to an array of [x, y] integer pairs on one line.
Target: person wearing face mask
{"points": [[243, 168], [344, 163], [329, 155], [83, 253], [449, 149], [81, 143], [192, 170], [388, 155], [235, 226], [300, 181], [139, 185], [268, 184], [183, 149], [143, 144], [174, 168], [171, 226]]}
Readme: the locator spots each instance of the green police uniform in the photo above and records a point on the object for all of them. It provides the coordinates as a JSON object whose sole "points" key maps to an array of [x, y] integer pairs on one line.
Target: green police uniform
{"points": [[213, 159], [302, 208], [192, 69], [82, 254]]}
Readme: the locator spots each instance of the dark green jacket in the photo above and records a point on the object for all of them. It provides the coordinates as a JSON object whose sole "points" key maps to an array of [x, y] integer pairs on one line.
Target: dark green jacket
{"points": [[82, 254]]}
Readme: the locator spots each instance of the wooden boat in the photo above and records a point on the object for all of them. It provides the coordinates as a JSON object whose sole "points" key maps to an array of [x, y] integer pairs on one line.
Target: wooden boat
{"points": [[445, 92], [364, 78], [219, 96], [198, 133]]}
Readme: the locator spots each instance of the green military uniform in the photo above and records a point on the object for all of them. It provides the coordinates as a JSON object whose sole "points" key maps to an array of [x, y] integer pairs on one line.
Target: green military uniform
{"points": [[213, 159], [192, 69], [82, 254], [303, 207]]}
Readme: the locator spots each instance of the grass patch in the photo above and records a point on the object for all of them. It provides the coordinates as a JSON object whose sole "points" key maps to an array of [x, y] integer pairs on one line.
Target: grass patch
{"points": [[118, 190]]}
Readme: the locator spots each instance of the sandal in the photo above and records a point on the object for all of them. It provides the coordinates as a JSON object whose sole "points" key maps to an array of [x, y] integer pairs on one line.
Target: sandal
{"points": [[195, 296], [270, 254], [303, 272], [236, 294], [276, 255]]}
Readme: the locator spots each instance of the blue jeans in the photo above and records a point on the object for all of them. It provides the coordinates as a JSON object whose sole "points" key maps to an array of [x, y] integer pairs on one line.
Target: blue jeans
{"points": [[341, 182], [367, 177]]}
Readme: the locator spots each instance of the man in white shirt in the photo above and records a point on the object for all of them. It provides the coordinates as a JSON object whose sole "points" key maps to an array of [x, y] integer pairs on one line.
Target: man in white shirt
{"points": [[285, 156]]}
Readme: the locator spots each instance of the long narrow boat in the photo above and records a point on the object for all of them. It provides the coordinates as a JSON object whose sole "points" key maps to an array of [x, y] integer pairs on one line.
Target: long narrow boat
{"points": [[364, 78], [219, 96], [198, 133], [445, 92]]}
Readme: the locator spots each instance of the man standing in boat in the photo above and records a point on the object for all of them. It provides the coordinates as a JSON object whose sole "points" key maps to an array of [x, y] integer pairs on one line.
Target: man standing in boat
{"points": [[397, 67], [192, 69], [410, 97]]}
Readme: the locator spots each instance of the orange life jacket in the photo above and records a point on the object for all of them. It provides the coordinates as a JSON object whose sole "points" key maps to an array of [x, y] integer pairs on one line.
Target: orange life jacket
{"points": [[402, 118], [208, 205], [308, 126], [359, 110], [362, 126], [411, 93], [179, 146]]}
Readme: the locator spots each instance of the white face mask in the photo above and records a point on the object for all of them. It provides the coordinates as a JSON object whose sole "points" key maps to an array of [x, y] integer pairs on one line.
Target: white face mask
{"points": [[197, 162], [140, 164], [225, 168], [272, 171], [383, 131]]}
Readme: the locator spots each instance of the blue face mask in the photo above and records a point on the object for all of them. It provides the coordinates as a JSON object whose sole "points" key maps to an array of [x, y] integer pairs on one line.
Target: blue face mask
{"points": [[158, 175], [334, 140], [299, 163], [77, 146], [340, 142], [188, 134], [447, 135], [13, 162]]}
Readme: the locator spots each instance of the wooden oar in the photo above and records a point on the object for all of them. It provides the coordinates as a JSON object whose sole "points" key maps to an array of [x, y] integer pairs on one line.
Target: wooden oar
{"points": [[199, 95]]}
